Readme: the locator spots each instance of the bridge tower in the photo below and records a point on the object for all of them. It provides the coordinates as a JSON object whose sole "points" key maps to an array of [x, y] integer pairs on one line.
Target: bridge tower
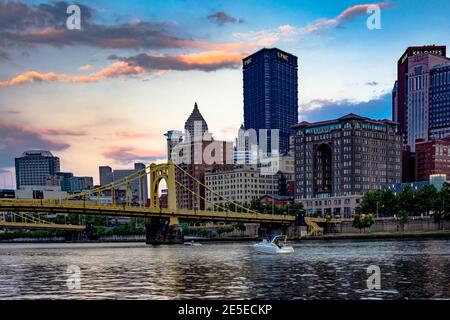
{"points": [[159, 172], [160, 231]]}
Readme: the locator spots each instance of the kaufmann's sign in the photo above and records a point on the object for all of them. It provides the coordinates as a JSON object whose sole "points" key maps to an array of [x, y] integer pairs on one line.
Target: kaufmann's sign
{"points": [[437, 52]]}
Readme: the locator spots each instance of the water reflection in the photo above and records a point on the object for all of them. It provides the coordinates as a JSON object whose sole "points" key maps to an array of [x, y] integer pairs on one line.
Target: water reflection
{"points": [[317, 270]]}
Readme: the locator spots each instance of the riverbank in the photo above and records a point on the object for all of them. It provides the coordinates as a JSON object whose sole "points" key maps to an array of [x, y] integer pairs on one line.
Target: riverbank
{"points": [[129, 239], [444, 234]]}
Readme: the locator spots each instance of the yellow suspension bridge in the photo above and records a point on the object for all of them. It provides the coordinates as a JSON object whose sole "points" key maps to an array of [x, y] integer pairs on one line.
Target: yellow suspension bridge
{"points": [[78, 204]]}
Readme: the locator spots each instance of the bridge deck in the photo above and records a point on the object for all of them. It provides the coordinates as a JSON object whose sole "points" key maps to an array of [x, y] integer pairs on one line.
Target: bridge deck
{"points": [[79, 207]]}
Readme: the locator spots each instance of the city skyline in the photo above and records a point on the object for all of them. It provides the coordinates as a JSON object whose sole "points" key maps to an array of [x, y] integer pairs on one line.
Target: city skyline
{"points": [[113, 110]]}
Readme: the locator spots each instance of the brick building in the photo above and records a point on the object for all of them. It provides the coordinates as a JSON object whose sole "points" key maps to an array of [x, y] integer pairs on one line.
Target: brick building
{"points": [[432, 157], [347, 156]]}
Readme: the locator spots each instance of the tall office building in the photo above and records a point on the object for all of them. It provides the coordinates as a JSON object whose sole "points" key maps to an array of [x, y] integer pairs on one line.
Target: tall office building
{"points": [[243, 152], [106, 175], [196, 153], [417, 114], [173, 138], [401, 89], [138, 187], [420, 101], [439, 127], [34, 166], [395, 102], [195, 125], [271, 95], [345, 157]]}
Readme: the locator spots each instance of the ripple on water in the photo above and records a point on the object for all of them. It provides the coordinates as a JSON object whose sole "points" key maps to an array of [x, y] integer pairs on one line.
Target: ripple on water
{"points": [[317, 270]]}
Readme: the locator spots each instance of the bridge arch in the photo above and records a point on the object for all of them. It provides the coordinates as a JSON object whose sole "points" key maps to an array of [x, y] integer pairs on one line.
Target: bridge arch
{"points": [[159, 172]]}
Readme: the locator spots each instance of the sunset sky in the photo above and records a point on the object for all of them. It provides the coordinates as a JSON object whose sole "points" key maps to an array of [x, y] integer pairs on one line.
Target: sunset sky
{"points": [[106, 94]]}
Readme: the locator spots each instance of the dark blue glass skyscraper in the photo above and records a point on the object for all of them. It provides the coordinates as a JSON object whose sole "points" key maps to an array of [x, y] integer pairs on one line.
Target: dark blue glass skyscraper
{"points": [[271, 93], [440, 102]]}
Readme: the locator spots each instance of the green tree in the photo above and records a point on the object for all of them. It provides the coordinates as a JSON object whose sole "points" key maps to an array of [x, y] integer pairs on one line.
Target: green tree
{"points": [[404, 218], [368, 220], [363, 221], [388, 202], [425, 199], [225, 229], [441, 204], [406, 199], [370, 203], [256, 205], [296, 208]]}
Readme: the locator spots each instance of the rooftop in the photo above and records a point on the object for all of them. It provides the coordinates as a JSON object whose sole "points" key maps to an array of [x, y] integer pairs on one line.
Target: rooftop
{"points": [[194, 117], [42, 153], [350, 116]]}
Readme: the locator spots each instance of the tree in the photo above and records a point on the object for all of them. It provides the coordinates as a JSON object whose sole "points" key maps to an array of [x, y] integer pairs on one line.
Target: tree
{"points": [[363, 221], [388, 202], [370, 202], [256, 205], [404, 218], [296, 208], [406, 199], [425, 198], [441, 204]]}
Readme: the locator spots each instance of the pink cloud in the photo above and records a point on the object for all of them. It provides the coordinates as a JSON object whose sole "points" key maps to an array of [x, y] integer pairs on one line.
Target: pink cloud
{"points": [[136, 66], [86, 67], [15, 138], [130, 135], [130, 154], [62, 132], [268, 37], [32, 77], [117, 69], [347, 14], [11, 112]]}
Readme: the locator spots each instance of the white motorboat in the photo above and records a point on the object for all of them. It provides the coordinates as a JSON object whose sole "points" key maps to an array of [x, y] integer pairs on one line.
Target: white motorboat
{"points": [[278, 245], [192, 243]]}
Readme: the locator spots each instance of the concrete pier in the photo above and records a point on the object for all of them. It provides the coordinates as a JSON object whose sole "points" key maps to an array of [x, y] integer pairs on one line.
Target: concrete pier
{"points": [[160, 231], [266, 229]]}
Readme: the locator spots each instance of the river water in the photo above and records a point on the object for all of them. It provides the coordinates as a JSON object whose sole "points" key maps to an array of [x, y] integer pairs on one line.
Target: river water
{"points": [[317, 270]]}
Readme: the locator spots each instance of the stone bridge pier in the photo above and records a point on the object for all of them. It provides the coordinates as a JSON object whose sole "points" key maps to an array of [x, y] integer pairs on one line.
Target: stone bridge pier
{"points": [[160, 230], [266, 229], [163, 231]]}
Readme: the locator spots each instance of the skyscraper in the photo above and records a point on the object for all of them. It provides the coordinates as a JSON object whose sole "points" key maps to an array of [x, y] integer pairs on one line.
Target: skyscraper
{"points": [[174, 137], [439, 127], [106, 175], [271, 95], [34, 166], [417, 112], [195, 124], [400, 103], [197, 152]]}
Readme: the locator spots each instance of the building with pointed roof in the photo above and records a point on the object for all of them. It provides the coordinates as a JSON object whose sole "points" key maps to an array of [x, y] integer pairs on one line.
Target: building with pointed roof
{"points": [[195, 124], [195, 149]]}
